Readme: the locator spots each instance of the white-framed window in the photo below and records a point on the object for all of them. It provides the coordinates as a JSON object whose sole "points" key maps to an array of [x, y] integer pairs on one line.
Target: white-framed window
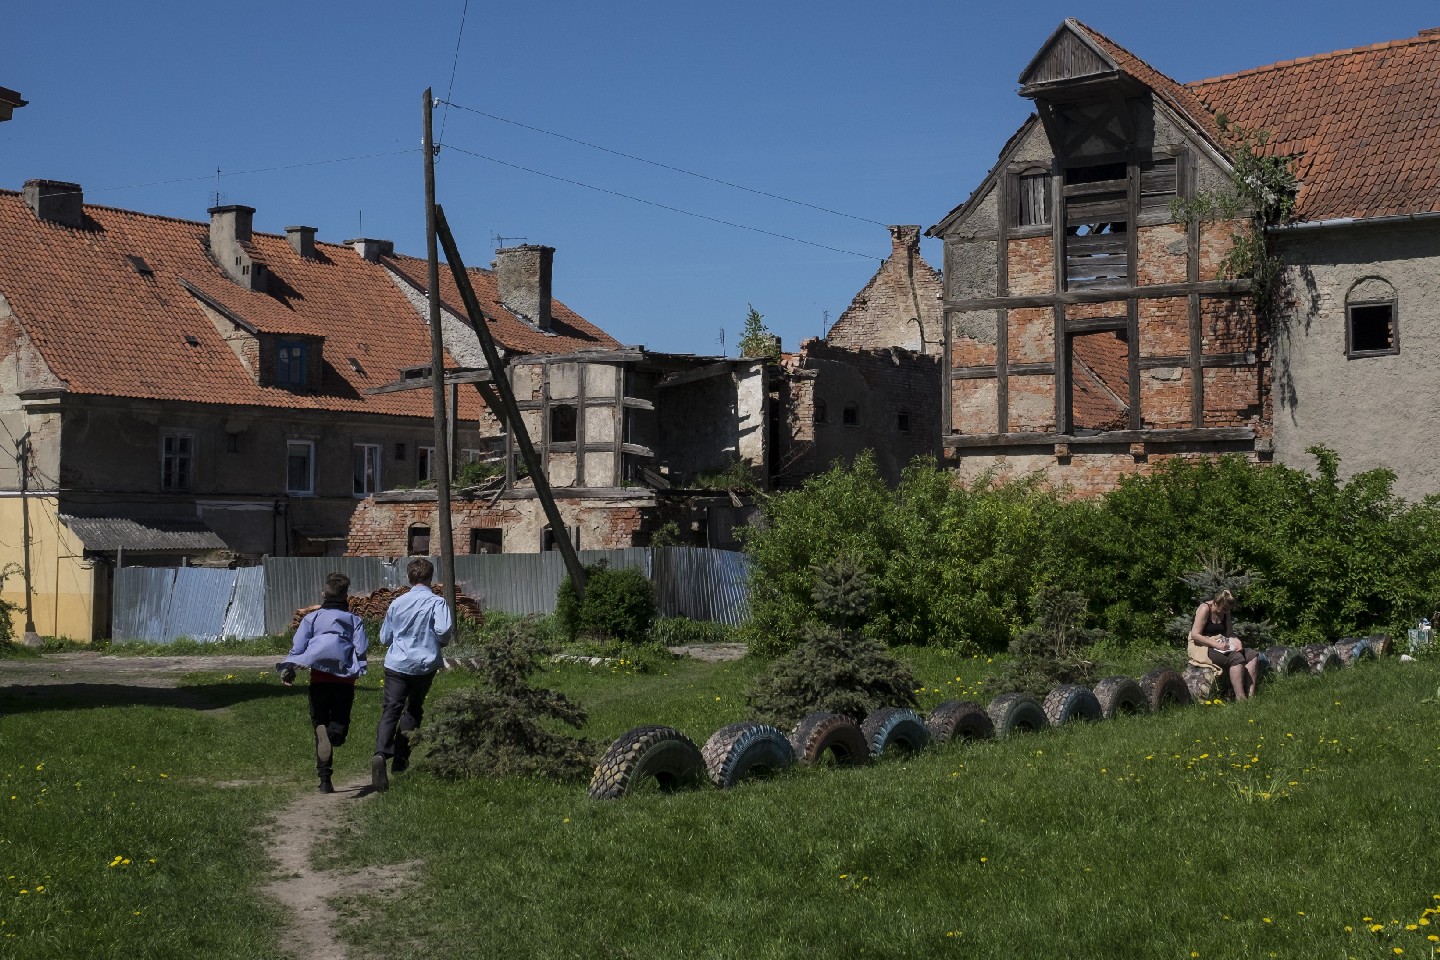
{"points": [[424, 464], [300, 468], [177, 461], [366, 460], [469, 455]]}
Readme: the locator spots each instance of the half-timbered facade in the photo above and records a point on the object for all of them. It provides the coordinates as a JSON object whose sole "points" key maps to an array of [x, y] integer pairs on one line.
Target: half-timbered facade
{"points": [[1086, 330]]}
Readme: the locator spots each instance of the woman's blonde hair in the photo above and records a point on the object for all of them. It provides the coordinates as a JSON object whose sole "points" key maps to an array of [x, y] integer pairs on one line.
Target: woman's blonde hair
{"points": [[1224, 599]]}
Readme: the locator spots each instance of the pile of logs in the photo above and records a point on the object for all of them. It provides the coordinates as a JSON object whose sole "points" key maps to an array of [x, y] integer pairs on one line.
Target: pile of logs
{"points": [[373, 606]]}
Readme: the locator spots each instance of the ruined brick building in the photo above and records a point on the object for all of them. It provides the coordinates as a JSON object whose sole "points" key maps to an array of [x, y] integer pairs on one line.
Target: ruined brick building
{"points": [[873, 382], [1089, 334]]}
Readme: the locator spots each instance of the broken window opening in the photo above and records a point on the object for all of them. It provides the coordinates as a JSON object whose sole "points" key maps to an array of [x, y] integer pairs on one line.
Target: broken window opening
{"points": [[818, 411], [418, 541], [486, 540], [850, 416], [365, 458], [1032, 200], [1099, 365], [1370, 329], [563, 419]]}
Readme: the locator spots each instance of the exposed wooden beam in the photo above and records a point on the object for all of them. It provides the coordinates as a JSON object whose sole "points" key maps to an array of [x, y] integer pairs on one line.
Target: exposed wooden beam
{"points": [[1157, 291], [691, 376], [1111, 437]]}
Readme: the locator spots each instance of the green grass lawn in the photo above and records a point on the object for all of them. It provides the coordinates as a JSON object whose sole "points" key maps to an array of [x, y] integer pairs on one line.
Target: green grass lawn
{"points": [[1247, 830]]}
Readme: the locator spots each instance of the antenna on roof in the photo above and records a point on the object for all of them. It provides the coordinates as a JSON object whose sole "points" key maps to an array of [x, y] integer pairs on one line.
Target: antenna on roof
{"points": [[217, 186], [722, 341], [825, 325], [503, 242]]}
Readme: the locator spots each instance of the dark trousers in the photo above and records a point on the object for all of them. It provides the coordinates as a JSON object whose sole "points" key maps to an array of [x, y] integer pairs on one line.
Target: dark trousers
{"points": [[330, 705], [402, 712]]}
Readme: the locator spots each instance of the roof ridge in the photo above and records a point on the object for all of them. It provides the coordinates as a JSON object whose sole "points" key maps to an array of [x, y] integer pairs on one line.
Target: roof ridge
{"points": [[204, 224], [1285, 64]]}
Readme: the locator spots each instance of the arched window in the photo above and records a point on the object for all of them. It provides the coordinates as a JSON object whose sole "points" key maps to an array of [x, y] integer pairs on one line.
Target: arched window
{"points": [[418, 541], [1371, 319]]}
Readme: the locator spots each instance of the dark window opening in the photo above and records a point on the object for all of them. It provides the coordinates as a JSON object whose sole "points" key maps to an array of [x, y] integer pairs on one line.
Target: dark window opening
{"points": [[1096, 174], [176, 461], [819, 411], [418, 542], [232, 443], [562, 424], [399, 451], [290, 366], [850, 416], [1371, 328], [486, 540], [902, 421], [547, 538]]}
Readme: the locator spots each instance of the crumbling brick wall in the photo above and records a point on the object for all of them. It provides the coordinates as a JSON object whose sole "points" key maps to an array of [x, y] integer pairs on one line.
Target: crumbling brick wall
{"points": [[899, 307]]}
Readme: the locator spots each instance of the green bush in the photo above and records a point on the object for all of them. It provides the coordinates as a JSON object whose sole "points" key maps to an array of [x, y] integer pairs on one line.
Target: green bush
{"points": [[619, 605], [682, 632]]}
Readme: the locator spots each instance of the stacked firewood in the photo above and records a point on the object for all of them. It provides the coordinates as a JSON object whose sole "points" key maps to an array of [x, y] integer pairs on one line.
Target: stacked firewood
{"points": [[374, 605]]}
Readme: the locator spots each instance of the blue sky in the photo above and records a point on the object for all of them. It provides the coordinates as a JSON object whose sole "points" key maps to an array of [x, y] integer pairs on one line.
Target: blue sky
{"points": [[884, 112]]}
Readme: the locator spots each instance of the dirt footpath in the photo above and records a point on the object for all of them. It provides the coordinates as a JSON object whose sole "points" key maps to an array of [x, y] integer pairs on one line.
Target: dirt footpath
{"points": [[94, 667]]}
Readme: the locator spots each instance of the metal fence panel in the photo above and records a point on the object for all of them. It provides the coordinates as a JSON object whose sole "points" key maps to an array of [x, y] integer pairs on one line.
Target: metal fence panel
{"points": [[520, 583], [294, 582], [138, 603], [702, 584], [245, 617], [198, 599]]}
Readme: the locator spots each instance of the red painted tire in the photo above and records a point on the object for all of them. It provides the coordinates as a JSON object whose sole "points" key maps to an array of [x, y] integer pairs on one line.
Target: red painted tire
{"points": [[1118, 695], [1164, 687], [962, 719], [832, 734], [744, 750], [663, 755]]}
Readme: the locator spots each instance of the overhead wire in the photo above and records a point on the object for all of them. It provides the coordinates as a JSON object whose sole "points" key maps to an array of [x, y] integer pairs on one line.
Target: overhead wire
{"points": [[454, 66], [662, 206], [663, 166]]}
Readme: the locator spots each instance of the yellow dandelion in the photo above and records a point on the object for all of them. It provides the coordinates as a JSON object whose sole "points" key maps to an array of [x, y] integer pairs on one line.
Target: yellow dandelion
{"points": [[1266, 919]]}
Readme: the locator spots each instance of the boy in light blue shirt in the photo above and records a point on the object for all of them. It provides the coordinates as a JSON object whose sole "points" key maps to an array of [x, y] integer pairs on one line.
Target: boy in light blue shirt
{"points": [[417, 624]]}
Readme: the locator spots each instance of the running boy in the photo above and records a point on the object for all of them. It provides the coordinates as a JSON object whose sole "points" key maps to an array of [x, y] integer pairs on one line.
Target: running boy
{"points": [[330, 641], [417, 625]]}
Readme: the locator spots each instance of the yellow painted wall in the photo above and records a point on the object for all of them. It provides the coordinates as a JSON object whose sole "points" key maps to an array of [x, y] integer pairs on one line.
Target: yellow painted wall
{"points": [[63, 584]]}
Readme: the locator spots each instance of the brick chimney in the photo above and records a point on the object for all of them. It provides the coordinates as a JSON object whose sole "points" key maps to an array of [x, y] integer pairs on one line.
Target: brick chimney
{"points": [[55, 201], [303, 240], [230, 245], [904, 238], [522, 275], [371, 249]]}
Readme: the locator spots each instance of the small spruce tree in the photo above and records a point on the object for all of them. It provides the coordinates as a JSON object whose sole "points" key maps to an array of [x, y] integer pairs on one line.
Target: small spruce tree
{"points": [[756, 340], [834, 668], [501, 729]]}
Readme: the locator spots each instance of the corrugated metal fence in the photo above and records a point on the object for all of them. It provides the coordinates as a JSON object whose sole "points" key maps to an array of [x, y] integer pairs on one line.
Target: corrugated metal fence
{"points": [[160, 605]]}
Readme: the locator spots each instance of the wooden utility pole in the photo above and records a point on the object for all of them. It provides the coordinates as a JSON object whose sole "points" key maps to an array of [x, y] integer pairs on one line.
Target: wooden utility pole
{"points": [[509, 409], [22, 460], [441, 461]]}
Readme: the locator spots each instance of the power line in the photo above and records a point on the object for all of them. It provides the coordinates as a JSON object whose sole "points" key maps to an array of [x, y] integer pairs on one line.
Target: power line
{"points": [[242, 173], [665, 166], [662, 206], [453, 67]]}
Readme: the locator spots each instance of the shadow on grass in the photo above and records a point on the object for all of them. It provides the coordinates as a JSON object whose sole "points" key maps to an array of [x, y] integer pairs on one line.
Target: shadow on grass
{"points": [[28, 698]]}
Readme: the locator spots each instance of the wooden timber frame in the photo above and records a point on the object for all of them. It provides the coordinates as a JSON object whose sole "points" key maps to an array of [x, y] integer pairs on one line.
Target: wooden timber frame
{"points": [[500, 396]]}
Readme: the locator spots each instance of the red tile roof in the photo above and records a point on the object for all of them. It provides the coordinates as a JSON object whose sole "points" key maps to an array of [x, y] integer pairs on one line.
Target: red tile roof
{"points": [[1363, 125], [569, 331], [106, 329]]}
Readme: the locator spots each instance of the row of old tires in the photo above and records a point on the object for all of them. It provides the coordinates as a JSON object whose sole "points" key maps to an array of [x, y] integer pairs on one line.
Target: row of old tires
{"points": [[662, 757]]}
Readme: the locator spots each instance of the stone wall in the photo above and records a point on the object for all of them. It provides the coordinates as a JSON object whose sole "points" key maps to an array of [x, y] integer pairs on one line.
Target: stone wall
{"points": [[899, 307]]}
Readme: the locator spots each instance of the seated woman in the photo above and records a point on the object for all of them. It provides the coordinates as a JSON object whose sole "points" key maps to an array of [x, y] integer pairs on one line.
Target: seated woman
{"points": [[1213, 645]]}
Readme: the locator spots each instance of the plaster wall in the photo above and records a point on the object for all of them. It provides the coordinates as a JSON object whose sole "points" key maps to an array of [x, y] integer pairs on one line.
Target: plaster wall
{"points": [[1374, 411], [63, 582]]}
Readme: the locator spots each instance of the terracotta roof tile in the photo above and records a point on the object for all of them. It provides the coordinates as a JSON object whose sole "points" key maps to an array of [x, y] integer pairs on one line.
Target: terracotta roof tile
{"points": [[106, 329], [1364, 125]]}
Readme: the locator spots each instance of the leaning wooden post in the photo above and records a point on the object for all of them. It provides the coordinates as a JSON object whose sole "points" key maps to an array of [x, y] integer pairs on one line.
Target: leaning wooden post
{"points": [[441, 461], [509, 409]]}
